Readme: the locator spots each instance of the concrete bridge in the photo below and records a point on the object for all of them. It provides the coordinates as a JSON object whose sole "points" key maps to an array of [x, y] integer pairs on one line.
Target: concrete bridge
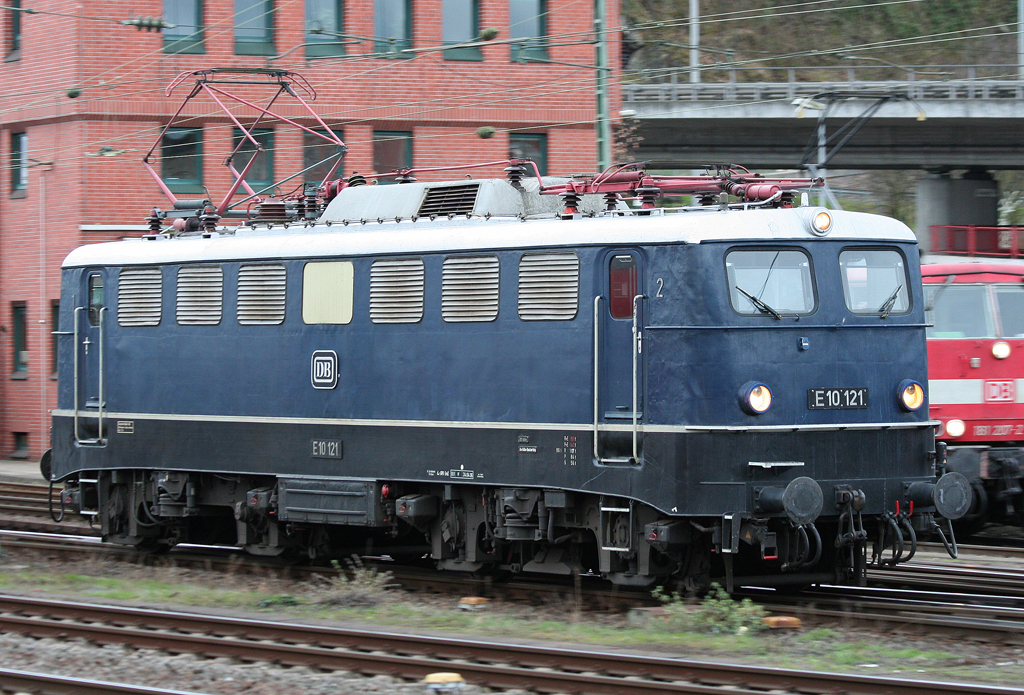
{"points": [[936, 118]]}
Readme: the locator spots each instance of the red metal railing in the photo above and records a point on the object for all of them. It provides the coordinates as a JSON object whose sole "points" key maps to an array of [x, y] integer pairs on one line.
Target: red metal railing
{"points": [[973, 240]]}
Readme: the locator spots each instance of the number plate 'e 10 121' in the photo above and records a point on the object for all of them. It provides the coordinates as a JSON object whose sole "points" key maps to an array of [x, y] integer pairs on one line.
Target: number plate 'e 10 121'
{"points": [[837, 399]]}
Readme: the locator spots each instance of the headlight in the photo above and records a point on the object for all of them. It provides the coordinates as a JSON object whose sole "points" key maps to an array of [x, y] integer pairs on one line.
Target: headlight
{"points": [[755, 398], [821, 223], [955, 428], [1000, 350], [911, 395]]}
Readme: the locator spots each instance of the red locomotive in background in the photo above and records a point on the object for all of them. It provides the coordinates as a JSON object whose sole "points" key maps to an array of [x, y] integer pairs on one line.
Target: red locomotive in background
{"points": [[974, 299]]}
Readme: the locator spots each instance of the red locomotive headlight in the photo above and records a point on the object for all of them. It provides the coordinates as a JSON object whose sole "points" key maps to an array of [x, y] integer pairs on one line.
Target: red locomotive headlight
{"points": [[1001, 350]]}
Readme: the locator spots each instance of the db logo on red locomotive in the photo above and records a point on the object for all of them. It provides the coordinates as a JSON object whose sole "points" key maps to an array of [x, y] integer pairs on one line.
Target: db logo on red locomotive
{"points": [[1000, 391]]}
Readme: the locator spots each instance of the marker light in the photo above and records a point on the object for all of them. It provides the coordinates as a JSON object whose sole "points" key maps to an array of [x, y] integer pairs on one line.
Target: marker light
{"points": [[755, 397], [821, 223], [955, 428], [1001, 350], [911, 395]]}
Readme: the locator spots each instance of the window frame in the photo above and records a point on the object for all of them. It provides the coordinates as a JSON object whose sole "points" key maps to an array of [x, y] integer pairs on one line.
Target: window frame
{"points": [[320, 45], [19, 164], [538, 138], [876, 311], [313, 307], [531, 48], [255, 46], [754, 312], [384, 136], [194, 42], [13, 31], [183, 185], [268, 153], [309, 143], [472, 53], [19, 339], [389, 46]]}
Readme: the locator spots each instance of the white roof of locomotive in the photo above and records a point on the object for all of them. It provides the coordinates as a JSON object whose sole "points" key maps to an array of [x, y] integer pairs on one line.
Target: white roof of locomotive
{"points": [[487, 234]]}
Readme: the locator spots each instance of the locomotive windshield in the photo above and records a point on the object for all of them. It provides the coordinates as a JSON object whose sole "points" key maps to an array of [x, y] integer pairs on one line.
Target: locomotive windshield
{"points": [[770, 282], [1010, 302], [959, 311], [874, 281]]}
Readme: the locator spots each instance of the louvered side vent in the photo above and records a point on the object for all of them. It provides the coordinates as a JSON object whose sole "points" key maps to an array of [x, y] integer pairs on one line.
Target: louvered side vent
{"points": [[139, 296], [200, 295], [469, 289], [449, 200], [261, 294], [396, 291], [549, 286]]}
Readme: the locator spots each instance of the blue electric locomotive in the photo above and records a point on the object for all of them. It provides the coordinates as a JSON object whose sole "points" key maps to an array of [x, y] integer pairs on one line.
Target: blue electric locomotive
{"points": [[502, 379]]}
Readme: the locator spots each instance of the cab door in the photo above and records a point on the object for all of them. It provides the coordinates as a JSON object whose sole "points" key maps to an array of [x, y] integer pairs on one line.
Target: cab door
{"points": [[89, 333], [619, 370]]}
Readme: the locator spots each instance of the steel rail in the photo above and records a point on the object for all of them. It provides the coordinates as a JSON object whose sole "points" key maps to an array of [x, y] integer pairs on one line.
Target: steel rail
{"points": [[30, 682], [489, 663]]}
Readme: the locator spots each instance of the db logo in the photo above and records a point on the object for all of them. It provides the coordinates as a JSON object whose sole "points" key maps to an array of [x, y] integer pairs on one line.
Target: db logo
{"points": [[1000, 392], [324, 369]]}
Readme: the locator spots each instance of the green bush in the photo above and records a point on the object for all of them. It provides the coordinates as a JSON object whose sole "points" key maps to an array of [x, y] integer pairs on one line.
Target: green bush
{"points": [[716, 612]]}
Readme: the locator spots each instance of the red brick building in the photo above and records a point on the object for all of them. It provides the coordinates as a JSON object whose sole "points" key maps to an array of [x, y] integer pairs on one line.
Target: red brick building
{"points": [[404, 82]]}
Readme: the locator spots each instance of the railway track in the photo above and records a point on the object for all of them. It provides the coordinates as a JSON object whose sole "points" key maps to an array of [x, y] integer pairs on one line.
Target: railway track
{"points": [[985, 603], [24, 682], [487, 663]]}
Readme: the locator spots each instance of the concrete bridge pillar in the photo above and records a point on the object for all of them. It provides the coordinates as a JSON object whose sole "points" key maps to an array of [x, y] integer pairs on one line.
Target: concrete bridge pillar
{"points": [[942, 200]]}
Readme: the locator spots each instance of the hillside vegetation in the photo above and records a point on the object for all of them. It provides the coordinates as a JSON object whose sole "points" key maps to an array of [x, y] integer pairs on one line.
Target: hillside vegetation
{"points": [[762, 36]]}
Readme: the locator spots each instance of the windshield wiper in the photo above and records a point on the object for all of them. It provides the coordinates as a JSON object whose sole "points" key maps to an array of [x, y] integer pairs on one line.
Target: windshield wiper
{"points": [[886, 308], [760, 305]]}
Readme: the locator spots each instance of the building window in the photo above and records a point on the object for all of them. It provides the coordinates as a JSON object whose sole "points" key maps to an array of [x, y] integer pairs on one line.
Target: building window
{"points": [[528, 29], [19, 330], [186, 36], [254, 27], [460, 24], [261, 174], [19, 163], [392, 150], [323, 28], [392, 25], [181, 159], [530, 146], [13, 30], [54, 327], [327, 292], [318, 156], [396, 291], [20, 445], [549, 286]]}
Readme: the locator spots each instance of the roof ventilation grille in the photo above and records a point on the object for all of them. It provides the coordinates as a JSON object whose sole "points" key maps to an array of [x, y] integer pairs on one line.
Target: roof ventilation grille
{"points": [[449, 200]]}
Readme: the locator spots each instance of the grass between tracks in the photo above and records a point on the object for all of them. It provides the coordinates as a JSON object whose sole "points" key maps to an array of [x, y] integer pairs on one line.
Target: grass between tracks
{"points": [[704, 630]]}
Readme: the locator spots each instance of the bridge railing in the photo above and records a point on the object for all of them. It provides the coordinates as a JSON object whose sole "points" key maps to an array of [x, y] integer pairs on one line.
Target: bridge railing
{"points": [[973, 240], [930, 82]]}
